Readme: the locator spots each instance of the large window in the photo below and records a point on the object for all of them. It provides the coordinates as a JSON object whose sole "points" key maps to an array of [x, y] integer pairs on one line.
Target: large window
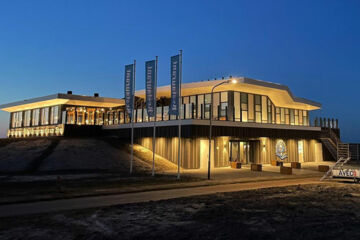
{"points": [[223, 105], [244, 106], [237, 106], [45, 116], [35, 117], [258, 108], [27, 118], [16, 119], [200, 106], [264, 109], [70, 115], [207, 106], [54, 115], [251, 117]]}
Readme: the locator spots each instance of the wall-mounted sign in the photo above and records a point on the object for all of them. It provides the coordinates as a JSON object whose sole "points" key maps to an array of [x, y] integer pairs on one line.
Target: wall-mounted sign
{"points": [[280, 149]]}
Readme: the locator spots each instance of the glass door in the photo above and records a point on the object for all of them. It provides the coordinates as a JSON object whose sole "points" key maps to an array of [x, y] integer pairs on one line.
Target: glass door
{"points": [[239, 151], [234, 151]]}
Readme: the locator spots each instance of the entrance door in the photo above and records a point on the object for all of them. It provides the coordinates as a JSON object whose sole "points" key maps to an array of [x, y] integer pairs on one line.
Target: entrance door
{"points": [[239, 151], [204, 154]]}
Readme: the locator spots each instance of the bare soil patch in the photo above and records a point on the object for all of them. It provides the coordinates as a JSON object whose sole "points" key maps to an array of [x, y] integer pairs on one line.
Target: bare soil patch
{"points": [[327, 211]]}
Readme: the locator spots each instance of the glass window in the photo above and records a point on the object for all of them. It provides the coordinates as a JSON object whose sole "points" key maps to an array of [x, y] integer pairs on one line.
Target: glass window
{"points": [[296, 112], [116, 117], [264, 109], [282, 115], [244, 106], [45, 116], [35, 117], [54, 115], [287, 116], [166, 112], [224, 96], [17, 119], [193, 105], [237, 106], [100, 116], [207, 106], [139, 115], [121, 116], [278, 115], [300, 117], [258, 108], [200, 106], [273, 114], [158, 113], [251, 117], [305, 118], [27, 118], [292, 117], [80, 111]]}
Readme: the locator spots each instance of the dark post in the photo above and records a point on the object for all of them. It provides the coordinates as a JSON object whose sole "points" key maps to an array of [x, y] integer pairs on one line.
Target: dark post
{"points": [[192, 110], [316, 122], [321, 122], [226, 113], [219, 113], [337, 123]]}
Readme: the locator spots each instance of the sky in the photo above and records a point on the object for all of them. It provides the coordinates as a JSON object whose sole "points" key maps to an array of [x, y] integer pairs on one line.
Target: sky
{"points": [[312, 47]]}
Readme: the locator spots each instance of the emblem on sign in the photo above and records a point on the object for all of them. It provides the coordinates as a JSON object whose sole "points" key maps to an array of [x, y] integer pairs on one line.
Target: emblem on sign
{"points": [[281, 149]]}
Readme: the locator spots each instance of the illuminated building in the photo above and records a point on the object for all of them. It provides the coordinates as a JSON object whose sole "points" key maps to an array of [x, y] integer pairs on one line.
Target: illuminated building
{"points": [[252, 121]]}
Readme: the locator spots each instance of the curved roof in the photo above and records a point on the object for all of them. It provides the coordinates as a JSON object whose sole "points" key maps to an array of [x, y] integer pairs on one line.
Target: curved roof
{"points": [[279, 94]]}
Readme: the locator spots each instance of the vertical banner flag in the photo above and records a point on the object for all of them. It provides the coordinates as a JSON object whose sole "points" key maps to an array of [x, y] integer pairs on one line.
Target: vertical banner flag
{"points": [[129, 88], [150, 71], [175, 84]]}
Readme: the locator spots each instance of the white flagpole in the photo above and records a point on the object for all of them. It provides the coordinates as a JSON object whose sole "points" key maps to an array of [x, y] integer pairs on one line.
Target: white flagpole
{"points": [[132, 121], [180, 104], [154, 133]]}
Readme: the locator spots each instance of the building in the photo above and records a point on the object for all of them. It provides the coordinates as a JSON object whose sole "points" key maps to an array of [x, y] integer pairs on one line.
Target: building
{"points": [[253, 122]]}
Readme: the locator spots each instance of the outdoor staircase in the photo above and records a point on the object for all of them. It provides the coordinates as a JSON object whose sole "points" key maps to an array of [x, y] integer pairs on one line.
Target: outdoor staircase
{"points": [[334, 145], [343, 150]]}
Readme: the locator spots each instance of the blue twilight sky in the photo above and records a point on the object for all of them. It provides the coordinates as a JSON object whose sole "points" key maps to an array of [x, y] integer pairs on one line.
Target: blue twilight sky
{"points": [[312, 46]]}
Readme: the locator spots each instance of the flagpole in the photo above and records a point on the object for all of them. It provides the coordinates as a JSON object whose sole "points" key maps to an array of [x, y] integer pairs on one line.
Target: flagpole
{"points": [[180, 104], [154, 133], [132, 121]]}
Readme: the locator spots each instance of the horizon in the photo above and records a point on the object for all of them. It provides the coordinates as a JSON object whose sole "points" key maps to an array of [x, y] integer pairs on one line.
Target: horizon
{"points": [[54, 47]]}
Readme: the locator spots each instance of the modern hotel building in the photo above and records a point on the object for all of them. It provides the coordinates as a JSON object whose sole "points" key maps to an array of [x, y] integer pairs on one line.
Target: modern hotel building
{"points": [[253, 122]]}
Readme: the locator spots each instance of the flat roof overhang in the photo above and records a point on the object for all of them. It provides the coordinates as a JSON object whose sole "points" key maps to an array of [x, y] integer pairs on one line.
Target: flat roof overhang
{"points": [[61, 99], [279, 94]]}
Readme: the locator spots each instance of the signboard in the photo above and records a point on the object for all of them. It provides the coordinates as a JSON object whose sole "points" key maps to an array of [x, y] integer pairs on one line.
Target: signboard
{"points": [[129, 88], [175, 85], [150, 78], [280, 149], [346, 173]]}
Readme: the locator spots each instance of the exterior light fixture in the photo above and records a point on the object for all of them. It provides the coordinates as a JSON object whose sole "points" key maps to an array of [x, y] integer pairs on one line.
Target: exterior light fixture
{"points": [[233, 81]]}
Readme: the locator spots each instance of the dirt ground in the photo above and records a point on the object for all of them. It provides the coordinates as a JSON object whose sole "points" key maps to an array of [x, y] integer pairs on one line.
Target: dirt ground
{"points": [[327, 211]]}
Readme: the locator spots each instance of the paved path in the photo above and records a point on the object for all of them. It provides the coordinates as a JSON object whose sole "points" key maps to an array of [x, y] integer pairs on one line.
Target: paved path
{"points": [[103, 201]]}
